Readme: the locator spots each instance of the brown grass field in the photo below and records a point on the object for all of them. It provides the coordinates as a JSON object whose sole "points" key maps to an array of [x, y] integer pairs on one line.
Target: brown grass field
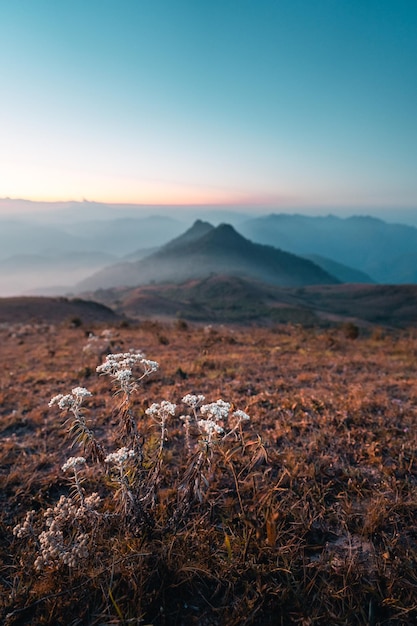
{"points": [[305, 515]]}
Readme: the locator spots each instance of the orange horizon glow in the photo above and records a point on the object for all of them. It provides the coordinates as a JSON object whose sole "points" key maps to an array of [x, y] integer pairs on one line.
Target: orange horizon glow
{"points": [[158, 198], [167, 199]]}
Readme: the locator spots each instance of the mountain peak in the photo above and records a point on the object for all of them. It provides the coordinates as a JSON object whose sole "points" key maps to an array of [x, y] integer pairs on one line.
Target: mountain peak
{"points": [[196, 231], [225, 235]]}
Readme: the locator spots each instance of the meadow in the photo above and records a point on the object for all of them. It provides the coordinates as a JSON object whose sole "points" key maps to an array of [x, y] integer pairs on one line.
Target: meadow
{"points": [[119, 508]]}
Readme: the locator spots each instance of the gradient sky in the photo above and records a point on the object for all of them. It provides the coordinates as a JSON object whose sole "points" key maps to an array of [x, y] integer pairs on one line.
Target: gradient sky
{"points": [[251, 102]]}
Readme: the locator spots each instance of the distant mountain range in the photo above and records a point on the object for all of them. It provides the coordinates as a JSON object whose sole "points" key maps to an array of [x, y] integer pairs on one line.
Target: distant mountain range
{"points": [[387, 253], [47, 257], [342, 272], [117, 236], [204, 250], [51, 255]]}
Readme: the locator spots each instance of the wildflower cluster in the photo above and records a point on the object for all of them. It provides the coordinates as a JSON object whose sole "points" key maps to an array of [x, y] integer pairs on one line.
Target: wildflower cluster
{"points": [[134, 469], [120, 456], [26, 527], [161, 413], [73, 463], [214, 417], [121, 475], [120, 367], [59, 544], [72, 401]]}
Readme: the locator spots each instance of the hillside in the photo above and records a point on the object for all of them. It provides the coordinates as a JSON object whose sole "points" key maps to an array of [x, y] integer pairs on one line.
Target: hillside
{"points": [[220, 250], [235, 299], [53, 310], [368, 244]]}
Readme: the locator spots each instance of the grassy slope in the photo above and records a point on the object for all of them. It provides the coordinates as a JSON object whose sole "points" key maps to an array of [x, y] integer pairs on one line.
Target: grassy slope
{"points": [[23, 309], [319, 530], [234, 299]]}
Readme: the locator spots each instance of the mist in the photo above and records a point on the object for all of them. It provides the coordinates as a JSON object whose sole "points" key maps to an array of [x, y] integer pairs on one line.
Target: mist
{"points": [[50, 248]]}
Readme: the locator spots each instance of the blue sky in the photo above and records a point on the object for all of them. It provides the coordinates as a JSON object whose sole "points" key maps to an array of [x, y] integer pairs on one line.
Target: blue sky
{"points": [[292, 103]]}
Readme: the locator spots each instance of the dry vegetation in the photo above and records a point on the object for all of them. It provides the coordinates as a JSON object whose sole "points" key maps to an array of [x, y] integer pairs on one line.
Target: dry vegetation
{"points": [[305, 516]]}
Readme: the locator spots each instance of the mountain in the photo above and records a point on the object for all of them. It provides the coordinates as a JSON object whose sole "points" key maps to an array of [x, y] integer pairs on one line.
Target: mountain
{"points": [[220, 250], [197, 231], [367, 244], [342, 272]]}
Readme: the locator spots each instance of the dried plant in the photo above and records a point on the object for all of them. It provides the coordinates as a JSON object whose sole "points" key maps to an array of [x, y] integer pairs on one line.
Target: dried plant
{"points": [[192, 513]]}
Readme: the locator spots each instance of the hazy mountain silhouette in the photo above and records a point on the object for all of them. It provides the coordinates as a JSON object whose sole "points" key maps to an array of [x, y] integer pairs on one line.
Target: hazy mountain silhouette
{"points": [[69, 212], [125, 235], [342, 272], [25, 237], [197, 231], [115, 236], [220, 250], [50, 273], [367, 244]]}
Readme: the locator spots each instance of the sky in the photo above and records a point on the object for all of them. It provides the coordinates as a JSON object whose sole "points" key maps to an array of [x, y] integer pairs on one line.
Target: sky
{"points": [[257, 103]]}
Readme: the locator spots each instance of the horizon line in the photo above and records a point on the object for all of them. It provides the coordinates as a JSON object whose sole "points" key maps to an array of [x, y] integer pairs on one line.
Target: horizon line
{"points": [[232, 205]]}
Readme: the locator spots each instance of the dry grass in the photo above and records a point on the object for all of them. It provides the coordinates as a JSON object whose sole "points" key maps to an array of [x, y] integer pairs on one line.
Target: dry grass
{"points": [[308, 519]]}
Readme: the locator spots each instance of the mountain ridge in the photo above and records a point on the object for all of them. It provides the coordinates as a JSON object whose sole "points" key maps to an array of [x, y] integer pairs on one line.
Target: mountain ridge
{"points": [[220, 250], [364, 243]]}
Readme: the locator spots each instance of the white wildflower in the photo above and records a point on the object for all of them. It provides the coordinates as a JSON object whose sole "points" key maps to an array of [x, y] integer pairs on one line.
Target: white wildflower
{"points": [[120, 367], [161, 410], [123, 376], [210, 427], [149, 366], [73, 463], [120, 456], [55, 399], [105, 368], [81, 392], [216, 410], [193, 400], [241, 415], [71, 401]]}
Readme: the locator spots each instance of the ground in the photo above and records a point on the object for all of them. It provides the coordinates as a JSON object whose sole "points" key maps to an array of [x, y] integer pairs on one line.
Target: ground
{"points": [[308, 517]]}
